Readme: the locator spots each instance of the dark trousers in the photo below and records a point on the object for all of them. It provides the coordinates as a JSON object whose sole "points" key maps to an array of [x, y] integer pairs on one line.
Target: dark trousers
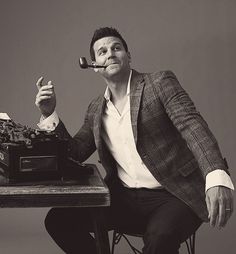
{"points": [[164, 220]]}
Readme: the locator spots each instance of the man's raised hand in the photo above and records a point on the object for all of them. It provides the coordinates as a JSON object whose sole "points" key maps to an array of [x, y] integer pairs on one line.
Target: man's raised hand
{"points": [[45, 98]]}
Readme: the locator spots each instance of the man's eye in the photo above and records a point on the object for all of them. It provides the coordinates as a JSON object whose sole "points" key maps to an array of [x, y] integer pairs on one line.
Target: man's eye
{"points": [[101, 52], [117, 48]]}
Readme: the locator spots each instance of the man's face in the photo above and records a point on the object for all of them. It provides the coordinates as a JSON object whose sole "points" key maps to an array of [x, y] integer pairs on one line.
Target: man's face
{"points": [[109, 51]]}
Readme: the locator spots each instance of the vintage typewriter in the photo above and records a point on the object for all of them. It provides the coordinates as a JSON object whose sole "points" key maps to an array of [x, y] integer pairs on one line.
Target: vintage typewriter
{"points": [[28, 155]]}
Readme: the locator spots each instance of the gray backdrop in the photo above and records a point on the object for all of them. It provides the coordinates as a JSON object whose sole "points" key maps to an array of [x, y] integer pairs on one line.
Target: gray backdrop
{"points": [[195, 39]]}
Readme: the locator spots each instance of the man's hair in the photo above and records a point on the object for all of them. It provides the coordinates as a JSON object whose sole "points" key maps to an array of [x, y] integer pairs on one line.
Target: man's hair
{"points": [[105, 32]]}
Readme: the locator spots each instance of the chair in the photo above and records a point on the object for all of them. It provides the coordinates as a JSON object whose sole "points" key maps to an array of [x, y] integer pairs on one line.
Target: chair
{"points": [[117, 235]]}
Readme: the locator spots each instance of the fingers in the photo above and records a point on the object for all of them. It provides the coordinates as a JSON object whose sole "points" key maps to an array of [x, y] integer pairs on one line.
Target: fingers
{"points": [[43, 95], [208, 206], [226, 208], [228, 213], [229, 207], [222, 215], [40, 99], [212, 205], [45, 92], [48, 86], [39, 83], [225, 211], [213, 213], [219, 202], [42, 86]]}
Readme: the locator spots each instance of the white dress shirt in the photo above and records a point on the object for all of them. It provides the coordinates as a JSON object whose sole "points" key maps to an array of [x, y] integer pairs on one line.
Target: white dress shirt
{"points": [[118, 136]]}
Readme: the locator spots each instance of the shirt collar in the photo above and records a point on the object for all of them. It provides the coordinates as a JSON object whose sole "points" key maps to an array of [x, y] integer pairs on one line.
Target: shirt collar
{"points": [[107, 94]]}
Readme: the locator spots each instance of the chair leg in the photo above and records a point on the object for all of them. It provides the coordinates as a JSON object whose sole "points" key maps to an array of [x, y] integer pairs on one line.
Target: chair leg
{"points": [[190, 243], [113, 242], [116, 239], [193, 243]]}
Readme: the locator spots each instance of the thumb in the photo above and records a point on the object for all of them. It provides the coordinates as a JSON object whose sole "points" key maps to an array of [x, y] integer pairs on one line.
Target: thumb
{"points": [[39, 83]]}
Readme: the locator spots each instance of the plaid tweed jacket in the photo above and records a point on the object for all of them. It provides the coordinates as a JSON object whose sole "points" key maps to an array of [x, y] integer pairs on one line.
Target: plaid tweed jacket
{"points": [[172, 138]]}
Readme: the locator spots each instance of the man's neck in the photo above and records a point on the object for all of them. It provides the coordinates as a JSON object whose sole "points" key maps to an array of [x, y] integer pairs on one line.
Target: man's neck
{"points": [[118, 86]]}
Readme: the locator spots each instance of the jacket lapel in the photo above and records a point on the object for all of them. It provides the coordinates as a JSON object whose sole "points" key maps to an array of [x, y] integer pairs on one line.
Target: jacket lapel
{"points": [[136, 89]]}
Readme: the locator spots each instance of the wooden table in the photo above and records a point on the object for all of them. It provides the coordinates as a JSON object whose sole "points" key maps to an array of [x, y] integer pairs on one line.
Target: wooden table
{"points": [[87, 191]]}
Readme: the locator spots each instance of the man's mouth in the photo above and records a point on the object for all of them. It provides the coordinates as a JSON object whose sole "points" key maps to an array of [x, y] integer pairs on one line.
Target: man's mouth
{"points": [[110, 64]]}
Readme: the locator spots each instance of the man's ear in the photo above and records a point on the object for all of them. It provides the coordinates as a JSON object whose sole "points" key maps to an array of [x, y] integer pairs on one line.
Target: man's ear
{"points": [[129, 56]]}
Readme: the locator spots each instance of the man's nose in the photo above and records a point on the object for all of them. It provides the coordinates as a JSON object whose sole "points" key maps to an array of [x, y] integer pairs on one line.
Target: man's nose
{"points": [[110, 53]]}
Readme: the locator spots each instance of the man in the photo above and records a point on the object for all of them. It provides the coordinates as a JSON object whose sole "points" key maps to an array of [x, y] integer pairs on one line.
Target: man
{"points": [[157, 150]]}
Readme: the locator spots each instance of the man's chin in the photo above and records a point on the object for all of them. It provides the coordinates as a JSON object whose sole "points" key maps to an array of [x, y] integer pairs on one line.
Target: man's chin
{"points": [[113, 70]]}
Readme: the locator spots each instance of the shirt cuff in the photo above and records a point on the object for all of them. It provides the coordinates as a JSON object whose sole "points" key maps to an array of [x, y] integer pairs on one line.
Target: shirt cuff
{"points": [[49, 123], [218, 177]]}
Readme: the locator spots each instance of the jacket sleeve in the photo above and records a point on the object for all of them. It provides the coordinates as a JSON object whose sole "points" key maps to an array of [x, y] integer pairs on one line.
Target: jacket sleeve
{"points": [[82, 145], [192, 127]]}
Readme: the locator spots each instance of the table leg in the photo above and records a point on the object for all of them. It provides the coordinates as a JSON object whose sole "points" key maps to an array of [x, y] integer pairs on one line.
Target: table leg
{"points": [[100, 232]]}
